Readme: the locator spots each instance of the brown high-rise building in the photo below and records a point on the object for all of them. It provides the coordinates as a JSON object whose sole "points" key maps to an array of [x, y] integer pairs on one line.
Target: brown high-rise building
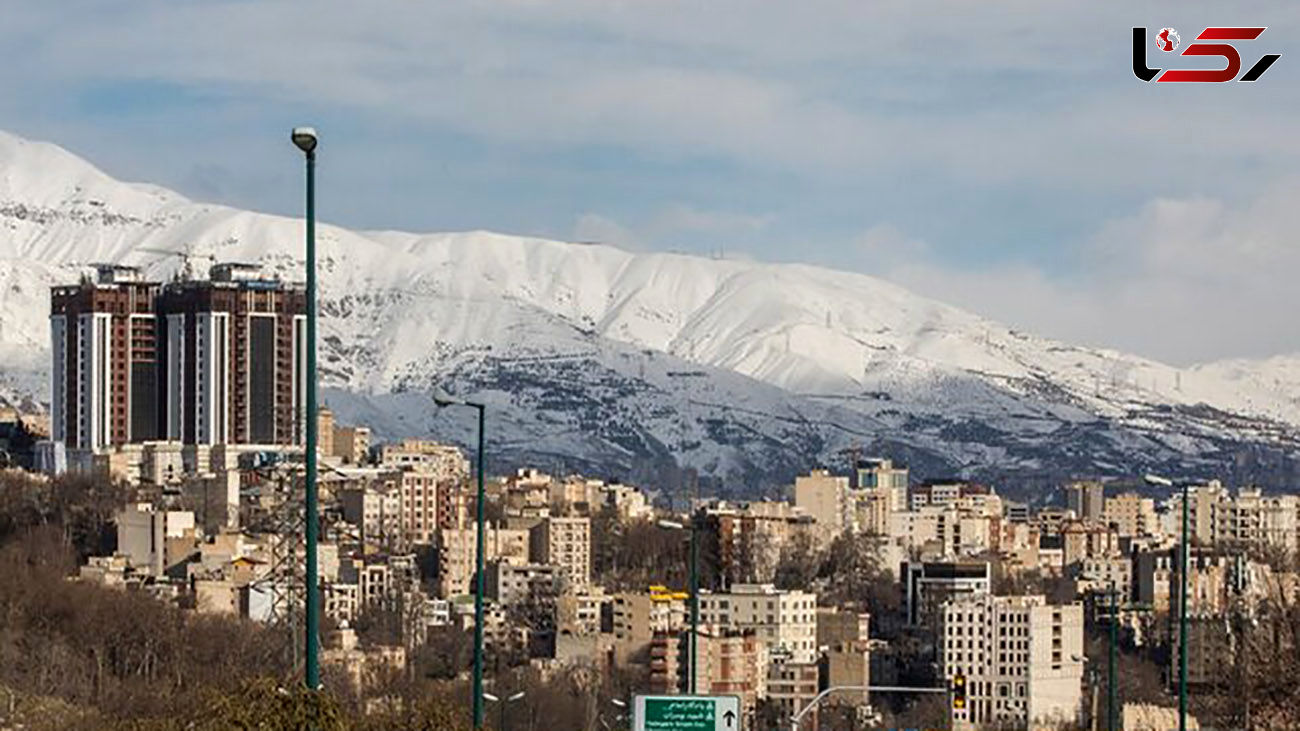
{"points": [[104, 386], [219, 361]]}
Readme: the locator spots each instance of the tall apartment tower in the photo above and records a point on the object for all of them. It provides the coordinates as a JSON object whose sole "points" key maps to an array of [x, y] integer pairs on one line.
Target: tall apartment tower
{"points": [[218, 361], [104, 370], [1086, 499], [235, 353]]}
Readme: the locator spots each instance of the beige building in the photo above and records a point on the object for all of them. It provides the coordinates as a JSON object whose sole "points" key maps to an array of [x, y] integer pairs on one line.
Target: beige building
{"points": [[375, 507], [352, 444], [1021, 657], [457, 549], [325, 432], [579, 614], [429, 501], [785, 620], [824, 497], [153, 539], [566, 543], [883, 477], [445, 460], [1132, 515], [1085, 539], [638, 618], [792, 685], [750, 537], [730, 663]]}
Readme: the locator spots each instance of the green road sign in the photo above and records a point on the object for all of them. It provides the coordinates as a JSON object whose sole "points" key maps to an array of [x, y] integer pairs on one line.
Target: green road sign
{"points": [[686, 713]]}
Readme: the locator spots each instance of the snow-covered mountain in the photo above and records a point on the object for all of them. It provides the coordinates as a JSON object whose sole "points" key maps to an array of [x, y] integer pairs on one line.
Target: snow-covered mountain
{"points": [[643, 363]]}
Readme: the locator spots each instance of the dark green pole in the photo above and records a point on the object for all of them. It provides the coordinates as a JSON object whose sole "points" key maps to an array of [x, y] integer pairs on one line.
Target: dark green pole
{"points": [[695, 600], [1182, 620], [1112, 706], [479, 580], [311, 518]]}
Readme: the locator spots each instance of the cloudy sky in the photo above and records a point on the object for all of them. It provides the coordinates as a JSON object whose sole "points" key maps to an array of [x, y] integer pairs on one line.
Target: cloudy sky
{"points": [[997, 155]]}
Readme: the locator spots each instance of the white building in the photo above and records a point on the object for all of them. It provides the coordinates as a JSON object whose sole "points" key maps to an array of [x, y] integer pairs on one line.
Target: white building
{"points": [[785, 620], [1022, 659]]}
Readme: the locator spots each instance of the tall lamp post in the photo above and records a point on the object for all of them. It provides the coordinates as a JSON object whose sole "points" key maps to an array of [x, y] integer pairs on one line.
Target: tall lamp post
{"points": [[444, 400], [693, 640], [1183, 561], [305, 139]]}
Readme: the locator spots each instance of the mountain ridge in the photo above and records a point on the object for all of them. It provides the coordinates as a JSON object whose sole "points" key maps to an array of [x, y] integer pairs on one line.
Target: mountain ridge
{"points": [[402, 311]]}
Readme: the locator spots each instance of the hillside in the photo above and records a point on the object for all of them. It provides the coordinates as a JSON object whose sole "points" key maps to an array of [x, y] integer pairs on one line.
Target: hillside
{"points": [[638, 364]]}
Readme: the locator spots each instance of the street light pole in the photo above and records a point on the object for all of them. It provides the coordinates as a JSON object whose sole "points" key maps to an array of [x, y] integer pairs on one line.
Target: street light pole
{"points": [[479, 580], [305, 139], [1184, 569], [695, 602], [694, 597], [1112, 705], [1182, 621], [480, 561]]}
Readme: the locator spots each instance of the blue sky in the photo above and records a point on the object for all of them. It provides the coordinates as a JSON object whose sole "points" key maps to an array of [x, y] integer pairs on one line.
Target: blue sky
{"points": [[997, 155]]}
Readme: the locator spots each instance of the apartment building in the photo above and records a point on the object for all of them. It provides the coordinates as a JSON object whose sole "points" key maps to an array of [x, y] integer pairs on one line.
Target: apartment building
{"points": [[639, 617], [1247, 518], [373, 503], [793, 684], [927, 585], [352, 444], [1085, 539], [515, 584], [730, 663], [824, 497], [748, 538], [422, 455], [104, 385], [566, 543], [882, 476], [1086, 499], [457, 550], [785, 620], [1022, 659], [430, 501], [1132, 515]]}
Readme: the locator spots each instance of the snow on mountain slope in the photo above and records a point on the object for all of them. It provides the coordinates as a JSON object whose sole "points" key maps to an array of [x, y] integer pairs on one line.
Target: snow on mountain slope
{"points": [[541, 325]]}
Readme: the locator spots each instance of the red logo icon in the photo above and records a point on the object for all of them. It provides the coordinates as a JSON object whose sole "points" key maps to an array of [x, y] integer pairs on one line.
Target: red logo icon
{"points": [[1167, 40]]}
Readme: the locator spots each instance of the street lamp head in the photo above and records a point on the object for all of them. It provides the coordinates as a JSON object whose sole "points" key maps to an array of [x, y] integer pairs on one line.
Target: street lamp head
{"points": [[490, 697], [304, 138], [619, 703], [671, 525], [516, 696], [444, 399], [1158, 480]]}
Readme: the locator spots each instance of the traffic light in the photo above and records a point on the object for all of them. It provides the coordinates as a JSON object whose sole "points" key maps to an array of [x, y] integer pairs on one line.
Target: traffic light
{"points": [[959, 692]]}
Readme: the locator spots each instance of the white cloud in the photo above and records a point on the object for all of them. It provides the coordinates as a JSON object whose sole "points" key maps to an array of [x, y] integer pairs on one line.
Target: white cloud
{"points": [[664, 228], [595, 228], [1183, 280]]}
